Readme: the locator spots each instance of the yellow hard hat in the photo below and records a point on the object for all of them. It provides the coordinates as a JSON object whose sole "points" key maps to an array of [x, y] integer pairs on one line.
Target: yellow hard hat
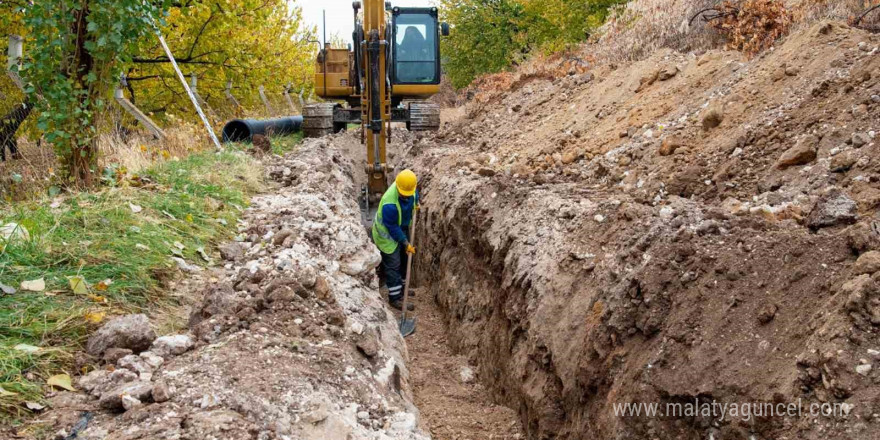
{"points": [[406, 183]]}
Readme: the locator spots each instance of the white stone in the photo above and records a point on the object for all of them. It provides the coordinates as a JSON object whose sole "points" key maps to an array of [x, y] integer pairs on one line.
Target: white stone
{"points": [[864, 369], [403, 423], [466, 374], [10, 232], [129, 402], [357, 328], [152, 359], [173, 345]]}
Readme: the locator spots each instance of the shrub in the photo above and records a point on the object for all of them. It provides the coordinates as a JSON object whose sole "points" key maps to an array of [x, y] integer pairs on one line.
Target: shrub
{"points": [[753, 25]]}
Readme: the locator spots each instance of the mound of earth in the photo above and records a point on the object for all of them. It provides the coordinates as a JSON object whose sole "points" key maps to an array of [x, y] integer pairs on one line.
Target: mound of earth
{"points": [[292, 339], [692, 228]]}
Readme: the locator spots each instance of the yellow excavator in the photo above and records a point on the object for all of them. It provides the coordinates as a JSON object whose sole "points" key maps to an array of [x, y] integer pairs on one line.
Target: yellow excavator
{"points": [[384, 77]]}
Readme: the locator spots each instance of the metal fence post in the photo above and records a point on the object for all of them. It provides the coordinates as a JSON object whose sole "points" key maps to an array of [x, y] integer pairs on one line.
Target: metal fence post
{"points": [[266, 101]]}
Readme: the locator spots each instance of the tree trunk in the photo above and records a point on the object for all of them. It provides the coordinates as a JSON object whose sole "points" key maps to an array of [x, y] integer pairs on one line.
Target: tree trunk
{"points": [[82, 152], [9, 125]]}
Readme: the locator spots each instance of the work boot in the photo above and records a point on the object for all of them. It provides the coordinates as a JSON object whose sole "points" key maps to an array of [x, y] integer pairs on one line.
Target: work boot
{"points": [[398, 304]]}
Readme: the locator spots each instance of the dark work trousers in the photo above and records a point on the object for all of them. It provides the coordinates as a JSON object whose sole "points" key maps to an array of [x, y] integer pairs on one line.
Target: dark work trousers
{"points": [[394, 266]]}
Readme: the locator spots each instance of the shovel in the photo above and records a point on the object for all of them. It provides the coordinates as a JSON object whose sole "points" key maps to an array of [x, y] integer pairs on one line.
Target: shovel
{"points": [[408, 326]]}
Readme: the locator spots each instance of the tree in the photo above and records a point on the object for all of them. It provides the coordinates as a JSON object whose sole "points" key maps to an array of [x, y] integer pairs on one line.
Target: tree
{"points": [[486, 38], [492, 35], [76, 48], [248, 42]]}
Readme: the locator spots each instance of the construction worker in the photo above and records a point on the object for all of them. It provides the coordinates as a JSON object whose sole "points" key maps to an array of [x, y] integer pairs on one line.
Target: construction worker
{"points": [[391, 233]]}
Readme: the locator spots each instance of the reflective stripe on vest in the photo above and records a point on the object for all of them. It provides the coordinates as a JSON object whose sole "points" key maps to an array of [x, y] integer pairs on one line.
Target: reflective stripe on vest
{"points": [[383, 239]]}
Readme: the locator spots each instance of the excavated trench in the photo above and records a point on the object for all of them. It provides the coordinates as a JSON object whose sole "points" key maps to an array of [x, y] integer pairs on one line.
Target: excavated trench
{"points": [[452, 403], [659, 246]]}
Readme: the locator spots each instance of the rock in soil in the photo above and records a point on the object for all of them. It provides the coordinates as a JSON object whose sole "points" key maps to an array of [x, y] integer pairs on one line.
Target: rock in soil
{"points": [[868, 263], [174, 345], [268, 355], [131, 332], [113, 399], [833, 208], [802, 153]]}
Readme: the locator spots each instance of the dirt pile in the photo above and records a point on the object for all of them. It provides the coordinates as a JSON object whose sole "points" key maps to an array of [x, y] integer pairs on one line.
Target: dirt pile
{"points": [[682, 229], [291, 341]]}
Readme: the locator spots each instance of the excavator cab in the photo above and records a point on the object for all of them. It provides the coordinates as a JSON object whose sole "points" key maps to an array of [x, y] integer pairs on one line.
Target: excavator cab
{"points": [[416, 49], [410, 48], [385, 76]]}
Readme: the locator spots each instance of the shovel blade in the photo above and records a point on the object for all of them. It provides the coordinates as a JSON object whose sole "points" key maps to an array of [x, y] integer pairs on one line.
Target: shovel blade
{"points": [[407, 327]]}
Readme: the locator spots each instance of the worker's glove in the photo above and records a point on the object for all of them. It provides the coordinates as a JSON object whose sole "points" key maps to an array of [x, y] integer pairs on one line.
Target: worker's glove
{"points": [[410, 249]]}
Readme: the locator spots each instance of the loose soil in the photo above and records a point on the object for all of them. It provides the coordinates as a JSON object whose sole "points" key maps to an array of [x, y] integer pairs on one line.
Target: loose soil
{"points": [[695, 227], [452, 409], [689, 228]]}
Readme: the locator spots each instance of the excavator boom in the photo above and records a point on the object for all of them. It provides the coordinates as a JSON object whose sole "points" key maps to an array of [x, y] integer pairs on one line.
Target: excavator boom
{"points": [[392, 66]]}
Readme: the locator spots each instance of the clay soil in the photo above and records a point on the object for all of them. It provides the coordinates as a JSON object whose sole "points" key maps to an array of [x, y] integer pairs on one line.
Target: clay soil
{"points": [[452, 409], [695, 227]]}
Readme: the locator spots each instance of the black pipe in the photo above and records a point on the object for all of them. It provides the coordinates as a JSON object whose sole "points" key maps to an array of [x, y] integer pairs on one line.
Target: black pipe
{"points": [[243, 130]]}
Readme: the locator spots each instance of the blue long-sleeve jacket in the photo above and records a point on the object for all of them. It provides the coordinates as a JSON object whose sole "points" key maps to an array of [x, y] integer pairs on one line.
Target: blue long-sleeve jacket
{"points": [[389, 217]]}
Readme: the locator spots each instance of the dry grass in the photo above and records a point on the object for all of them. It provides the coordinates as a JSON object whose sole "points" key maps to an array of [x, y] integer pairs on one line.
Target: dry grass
{"points": [[488, 87], [37, 172], [636, 30], [640, 27], [811, 11], [751, 26]]}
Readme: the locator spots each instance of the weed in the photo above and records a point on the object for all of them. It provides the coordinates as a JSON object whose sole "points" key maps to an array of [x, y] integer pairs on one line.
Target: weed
{"points": [[286, 144], [125, 235]]}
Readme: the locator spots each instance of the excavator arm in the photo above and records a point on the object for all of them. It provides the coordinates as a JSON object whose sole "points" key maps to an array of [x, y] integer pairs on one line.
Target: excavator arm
{"points": [[376, 96], [385, 76]]}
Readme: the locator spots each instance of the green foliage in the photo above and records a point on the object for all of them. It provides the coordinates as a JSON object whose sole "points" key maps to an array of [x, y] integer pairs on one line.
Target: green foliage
{"points": [[486, 37], [491, 35], [77, 48], [286, 144], [98, 236], [248, 42]]}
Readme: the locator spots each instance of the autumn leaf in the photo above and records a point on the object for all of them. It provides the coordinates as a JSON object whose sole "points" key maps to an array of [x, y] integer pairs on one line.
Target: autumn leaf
{"points": [[78, 285], [95, 317], [38, 285], [5, 393], [189, 218], [98, 298], [27, 348], [103, 285], [61, 381]]}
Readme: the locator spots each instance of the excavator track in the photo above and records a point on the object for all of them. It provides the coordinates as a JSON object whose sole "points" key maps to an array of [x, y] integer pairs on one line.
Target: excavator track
{"points": [[318, 119], [423, 116]]}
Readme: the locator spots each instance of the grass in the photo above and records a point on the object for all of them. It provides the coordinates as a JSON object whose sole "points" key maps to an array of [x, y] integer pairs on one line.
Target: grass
{"points": [[286, 144], [193, 202]]}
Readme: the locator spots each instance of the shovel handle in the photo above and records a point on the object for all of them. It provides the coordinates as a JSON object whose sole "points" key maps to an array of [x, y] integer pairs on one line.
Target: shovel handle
{"points": [[409, 260]]}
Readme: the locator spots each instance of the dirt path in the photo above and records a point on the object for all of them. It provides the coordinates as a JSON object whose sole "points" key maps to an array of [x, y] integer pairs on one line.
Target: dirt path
{"points": [[451, 409]]}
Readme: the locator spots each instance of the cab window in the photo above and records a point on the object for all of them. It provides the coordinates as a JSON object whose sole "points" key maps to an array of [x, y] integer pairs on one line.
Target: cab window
{"points": [[415, 49]]}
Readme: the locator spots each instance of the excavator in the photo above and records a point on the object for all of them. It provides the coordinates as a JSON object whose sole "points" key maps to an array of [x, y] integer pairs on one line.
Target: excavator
{"points": [[385, 76]]}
